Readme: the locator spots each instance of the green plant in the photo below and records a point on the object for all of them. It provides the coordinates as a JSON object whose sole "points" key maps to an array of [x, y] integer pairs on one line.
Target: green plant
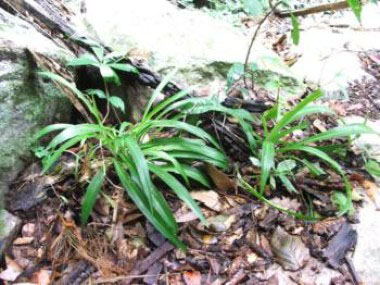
{"points": [[135, 152], [107, 64], [279, 155]]}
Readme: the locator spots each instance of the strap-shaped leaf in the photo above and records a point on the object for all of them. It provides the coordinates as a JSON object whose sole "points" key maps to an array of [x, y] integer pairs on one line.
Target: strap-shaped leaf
{"points": [[178, 188], [91, 195], [141, 167], [142, 203], [267, 163]]}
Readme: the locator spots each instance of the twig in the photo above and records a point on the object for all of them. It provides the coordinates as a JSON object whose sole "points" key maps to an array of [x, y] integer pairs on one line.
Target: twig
{"points": [[253, 40], [340, 5]]}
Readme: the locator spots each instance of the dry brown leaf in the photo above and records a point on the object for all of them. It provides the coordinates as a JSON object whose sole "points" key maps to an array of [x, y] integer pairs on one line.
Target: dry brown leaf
{"points": [[209, 198], [221, 223], [372, 192], [285, 202], [23, 240], [28, 230], [12, 272], [192, 278], [289, 250], [220, 179], [42, 277], [183, 215], [320, 125]]}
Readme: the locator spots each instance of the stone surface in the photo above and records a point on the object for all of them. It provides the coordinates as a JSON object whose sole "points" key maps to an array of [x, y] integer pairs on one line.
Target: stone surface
{"points": [[329, 55], [367, 252], [27, 102], [368, 144], [9, 227], [202, 47]]}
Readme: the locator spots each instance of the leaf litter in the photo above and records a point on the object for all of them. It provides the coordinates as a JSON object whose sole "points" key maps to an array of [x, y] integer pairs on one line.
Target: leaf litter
{"points": [[244, 241]]}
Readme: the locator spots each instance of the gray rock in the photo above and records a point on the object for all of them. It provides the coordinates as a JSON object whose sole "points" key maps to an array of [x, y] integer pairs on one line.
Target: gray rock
{"points": [[367, 252], [202, 47], [27, 102], [9, 227]]}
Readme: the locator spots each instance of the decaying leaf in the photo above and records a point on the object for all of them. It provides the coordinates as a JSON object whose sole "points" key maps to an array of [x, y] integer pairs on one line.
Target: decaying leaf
{"points": [[372, 192], [221, 223], [209, 198], [192, 278], [287, 203], [12, 272], [220, 179], [289, 250]]}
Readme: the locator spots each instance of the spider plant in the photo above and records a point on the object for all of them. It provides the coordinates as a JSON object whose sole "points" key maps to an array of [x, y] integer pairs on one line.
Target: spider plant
{"points": [[278, 153], [136, 152]]}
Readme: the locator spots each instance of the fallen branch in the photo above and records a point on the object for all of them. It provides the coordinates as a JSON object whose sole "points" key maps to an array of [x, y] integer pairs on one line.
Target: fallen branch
{"points": [[311, 10]]}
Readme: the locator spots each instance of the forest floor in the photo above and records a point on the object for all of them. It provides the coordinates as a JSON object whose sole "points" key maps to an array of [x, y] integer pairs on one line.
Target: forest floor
{"points": [[246, 242]]}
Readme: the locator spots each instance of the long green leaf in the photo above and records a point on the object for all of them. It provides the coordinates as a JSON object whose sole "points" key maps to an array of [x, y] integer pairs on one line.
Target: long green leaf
{"points": [[167, 102], [341, 131], [75, 90], [327, 159], [51, 159], [91, 195], [74, 131], [178, 189], [191, 172], [143, 204], [293, 114], [51, 128], [267, 163], [141, 166], [124, 67], [162, 155], [187, 145], [356, 7], [86, 59], [198, 132], [157, 92]]}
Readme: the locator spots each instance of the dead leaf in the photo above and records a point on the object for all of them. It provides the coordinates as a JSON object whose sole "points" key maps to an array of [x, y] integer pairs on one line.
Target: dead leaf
{"points": [[372, 192], [210, 198], [28, 230], [319, 125], [192, 278], [184, 215], [285, 202], [221, 223], [289, 250], [12, 272], [42, 277], [220, 179], [23, 241]]}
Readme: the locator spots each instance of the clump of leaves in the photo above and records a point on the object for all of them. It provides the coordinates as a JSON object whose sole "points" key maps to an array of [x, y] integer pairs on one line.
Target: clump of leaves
{"points": [[136, 152], [279, 156]]}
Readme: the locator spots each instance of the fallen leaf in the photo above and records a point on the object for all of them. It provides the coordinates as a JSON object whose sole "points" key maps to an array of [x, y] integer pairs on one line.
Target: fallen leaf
{"points": [[221, 223], [12, 272], [28, 230], [285, 202], [319, 125], [23, 241], [289, 250], [372, 192], [210, 198], [209, 239], [220, 179], [42, 277], [192, 278]]}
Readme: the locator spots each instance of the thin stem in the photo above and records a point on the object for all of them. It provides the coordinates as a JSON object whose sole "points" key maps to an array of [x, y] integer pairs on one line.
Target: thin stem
{"points": [[253, 40]]}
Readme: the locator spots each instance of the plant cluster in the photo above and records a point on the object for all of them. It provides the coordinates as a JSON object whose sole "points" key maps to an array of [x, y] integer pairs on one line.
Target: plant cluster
{"points": [[138, 152]]}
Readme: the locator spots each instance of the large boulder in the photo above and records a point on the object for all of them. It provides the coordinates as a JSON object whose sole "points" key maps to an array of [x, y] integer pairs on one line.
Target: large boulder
{"points": [[202, 47], [27, 102]]}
